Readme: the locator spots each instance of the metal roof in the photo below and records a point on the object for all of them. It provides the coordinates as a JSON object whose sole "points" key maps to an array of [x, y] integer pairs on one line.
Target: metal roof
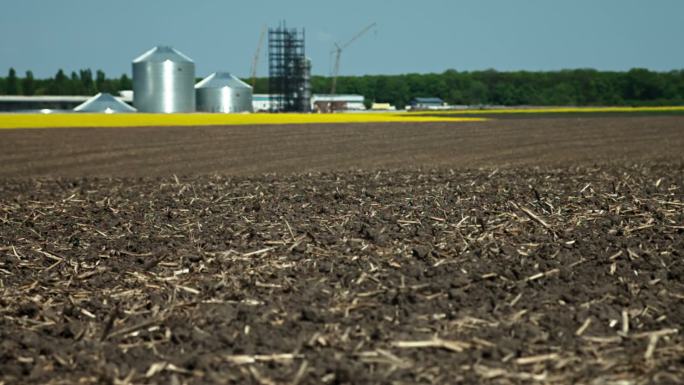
{"points": [[262, 97], [104, 102], [162, 53], [220, 80], [43, 98]]}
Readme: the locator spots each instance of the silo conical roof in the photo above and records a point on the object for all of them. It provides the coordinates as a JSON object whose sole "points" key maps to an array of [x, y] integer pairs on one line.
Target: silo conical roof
{"points": [[222, 79], [162, 53], [104, 102]]}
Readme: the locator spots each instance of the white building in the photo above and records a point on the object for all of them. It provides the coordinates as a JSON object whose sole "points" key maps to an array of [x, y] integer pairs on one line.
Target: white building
{"points": [[322, 102], [319, 102], [261, 102]]}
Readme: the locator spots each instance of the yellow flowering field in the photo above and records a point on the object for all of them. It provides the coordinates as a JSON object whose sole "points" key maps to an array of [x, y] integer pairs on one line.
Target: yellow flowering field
{"points": [[10, 121], [555, 110]]}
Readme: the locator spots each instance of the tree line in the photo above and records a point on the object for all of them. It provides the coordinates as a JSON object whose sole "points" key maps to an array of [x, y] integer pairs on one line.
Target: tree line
{"points": [[580, 87], [82, 82]]}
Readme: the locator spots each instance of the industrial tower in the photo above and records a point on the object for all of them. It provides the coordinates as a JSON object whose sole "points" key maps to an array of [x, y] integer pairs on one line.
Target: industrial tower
{"points": [[289, 82]]}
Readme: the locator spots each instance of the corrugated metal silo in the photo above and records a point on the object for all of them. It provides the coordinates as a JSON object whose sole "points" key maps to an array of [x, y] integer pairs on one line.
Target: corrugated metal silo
{"points": [[223, 92], [305, 68], [163, 81]]}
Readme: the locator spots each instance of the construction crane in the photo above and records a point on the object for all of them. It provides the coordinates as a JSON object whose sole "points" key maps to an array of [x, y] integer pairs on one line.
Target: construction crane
{"points": [[255, 61], [336, 69]]}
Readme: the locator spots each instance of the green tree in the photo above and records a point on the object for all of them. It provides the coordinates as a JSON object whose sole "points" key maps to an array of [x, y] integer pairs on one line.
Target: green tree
{"points": [[87, 82], [75, 86], [28, 84], [504, 94], [455, 97], [477, 93], [12, 84], [643, 85], [101, 82], [126, 84], [59, 85]]}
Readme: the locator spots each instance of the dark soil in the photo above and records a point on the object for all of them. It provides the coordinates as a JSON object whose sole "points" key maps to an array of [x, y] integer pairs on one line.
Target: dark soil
{"points": [[253, 150], [571, 275]]}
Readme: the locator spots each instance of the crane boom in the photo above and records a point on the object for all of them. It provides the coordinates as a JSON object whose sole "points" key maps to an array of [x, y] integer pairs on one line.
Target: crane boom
{"points": [[358, 35], [255, 61], [336, 69]]}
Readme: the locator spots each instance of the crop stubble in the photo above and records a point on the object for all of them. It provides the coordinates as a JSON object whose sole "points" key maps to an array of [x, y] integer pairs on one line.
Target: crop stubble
{"points": [[552, 271], [570, 275]]}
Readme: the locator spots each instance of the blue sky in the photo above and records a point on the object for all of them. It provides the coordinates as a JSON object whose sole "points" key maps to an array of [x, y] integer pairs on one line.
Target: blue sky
{"points": [[412, 36]]}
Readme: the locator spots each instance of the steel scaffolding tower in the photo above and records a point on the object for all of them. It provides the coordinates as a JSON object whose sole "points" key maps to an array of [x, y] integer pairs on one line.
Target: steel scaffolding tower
{"points": [[289, 70]]}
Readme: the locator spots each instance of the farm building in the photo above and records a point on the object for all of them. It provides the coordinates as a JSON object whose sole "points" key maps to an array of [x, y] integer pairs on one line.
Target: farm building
{"points": [[426, 103], [50, 102], [104, 102], [383, 107], [41, 102], [322, 103], [261, 102], [319, 102]]}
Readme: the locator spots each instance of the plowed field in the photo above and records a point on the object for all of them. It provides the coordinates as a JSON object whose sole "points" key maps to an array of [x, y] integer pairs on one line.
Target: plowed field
{"points": [[249, 150], [502, 252]]}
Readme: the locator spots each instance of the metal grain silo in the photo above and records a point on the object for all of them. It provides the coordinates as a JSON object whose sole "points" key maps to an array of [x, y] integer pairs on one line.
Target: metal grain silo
{"points": [[163, 81], [223, 92], [304, 67]]}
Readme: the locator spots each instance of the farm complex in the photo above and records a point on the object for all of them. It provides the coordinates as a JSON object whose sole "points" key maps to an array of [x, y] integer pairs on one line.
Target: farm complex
{"points": [[455, 228]]}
